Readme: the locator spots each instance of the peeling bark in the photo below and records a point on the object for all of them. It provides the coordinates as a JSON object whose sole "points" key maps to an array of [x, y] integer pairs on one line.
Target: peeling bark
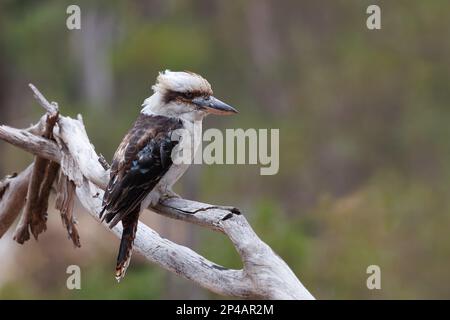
{"points": [[14, 192], [264, 274], [65, 200]]}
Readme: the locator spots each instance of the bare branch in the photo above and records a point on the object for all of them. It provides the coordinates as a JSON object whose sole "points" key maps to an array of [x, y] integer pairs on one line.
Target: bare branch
{"points": [[173, 257], [31, 143], [73, 134], [264, 275], [51, 108]]}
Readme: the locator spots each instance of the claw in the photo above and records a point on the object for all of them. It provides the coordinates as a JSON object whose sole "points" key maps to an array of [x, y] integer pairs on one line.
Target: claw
{"points": [[169, 194]]}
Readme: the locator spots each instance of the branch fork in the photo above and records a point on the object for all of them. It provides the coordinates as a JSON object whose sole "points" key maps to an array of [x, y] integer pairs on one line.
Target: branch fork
{"points": [[66, 160]]}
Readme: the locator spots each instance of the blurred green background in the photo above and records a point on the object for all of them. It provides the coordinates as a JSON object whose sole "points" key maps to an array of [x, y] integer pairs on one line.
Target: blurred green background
{"points": [[364, 121]]}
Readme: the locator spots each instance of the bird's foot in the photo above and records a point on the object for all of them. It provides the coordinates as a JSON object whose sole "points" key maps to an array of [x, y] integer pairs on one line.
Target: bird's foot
{"points": [[168, 194], [151, 200], [157, 196]]}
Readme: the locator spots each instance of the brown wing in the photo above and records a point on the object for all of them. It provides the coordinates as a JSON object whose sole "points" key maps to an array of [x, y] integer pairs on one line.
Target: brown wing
{"points": [[141, 160]]}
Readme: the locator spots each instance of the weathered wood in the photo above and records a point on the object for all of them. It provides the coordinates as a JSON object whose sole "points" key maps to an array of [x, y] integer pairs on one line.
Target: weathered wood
{"points": [[31, 143], [264, 275], [65, 200], [34, 217], [51, 108], [14, 192]]}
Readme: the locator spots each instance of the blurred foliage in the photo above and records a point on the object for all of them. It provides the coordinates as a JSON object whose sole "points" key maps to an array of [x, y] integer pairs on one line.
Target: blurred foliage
{"points": [[142, 283], [363, 117]]}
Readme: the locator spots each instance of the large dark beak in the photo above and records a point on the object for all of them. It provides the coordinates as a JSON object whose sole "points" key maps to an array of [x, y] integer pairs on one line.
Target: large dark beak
{"points": [[214, 105]]}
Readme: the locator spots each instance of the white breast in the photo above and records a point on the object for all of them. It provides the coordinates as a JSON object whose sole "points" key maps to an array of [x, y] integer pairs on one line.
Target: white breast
{"points": [[175, 172]]}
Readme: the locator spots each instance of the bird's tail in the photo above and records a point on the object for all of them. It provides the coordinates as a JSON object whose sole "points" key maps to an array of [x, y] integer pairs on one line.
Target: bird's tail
{"points": [[129, 223]]}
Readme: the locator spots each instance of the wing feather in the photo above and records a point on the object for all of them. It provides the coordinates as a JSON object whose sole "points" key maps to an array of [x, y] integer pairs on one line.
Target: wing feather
{"points": [[140, 161]]}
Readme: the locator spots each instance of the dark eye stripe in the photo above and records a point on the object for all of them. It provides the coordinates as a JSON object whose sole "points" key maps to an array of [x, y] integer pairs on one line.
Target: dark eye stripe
{"points": [[175, 95]]}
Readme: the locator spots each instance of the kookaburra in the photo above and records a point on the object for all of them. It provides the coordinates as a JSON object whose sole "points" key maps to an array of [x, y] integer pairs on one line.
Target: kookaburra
{"points": [[142, 171]]}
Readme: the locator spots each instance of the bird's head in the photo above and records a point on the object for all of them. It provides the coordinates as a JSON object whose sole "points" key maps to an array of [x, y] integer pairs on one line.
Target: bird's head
{"points": [[185, 95]]}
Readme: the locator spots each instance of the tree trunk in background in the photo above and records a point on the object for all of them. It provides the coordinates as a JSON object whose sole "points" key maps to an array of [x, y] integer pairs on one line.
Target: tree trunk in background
{"points": [[91, 47], [265, 50]]}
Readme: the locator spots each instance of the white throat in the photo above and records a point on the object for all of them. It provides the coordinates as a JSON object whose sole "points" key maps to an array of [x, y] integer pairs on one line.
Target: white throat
{"points": [[154, 105]]}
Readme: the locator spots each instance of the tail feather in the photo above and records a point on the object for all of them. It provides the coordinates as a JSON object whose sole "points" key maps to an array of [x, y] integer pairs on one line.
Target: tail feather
{"points": [[129, 223]]}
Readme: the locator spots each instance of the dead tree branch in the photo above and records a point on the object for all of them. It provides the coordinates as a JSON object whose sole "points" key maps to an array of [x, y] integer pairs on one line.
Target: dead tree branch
{"points": [[13, 190], [65, 200], [264, 274], [34, 218]]}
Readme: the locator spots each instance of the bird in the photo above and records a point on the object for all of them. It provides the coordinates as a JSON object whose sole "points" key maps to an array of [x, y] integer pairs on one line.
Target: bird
{"points": [[142, 170]]}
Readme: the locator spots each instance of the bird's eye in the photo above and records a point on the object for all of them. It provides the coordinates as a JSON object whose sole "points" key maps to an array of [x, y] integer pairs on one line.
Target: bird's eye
{"points": [[188, 95]]}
